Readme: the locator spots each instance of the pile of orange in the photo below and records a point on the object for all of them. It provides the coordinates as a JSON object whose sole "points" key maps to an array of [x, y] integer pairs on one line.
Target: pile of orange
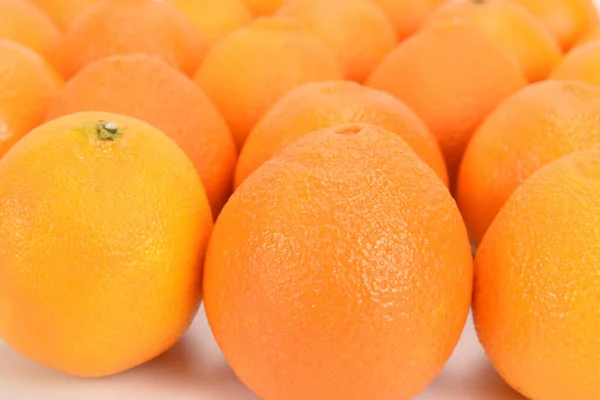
{"points": [[318, 174]]}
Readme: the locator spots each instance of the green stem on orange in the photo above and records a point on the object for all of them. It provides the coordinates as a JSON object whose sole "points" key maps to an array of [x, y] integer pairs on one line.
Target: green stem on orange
{"points": [[109, 130]]}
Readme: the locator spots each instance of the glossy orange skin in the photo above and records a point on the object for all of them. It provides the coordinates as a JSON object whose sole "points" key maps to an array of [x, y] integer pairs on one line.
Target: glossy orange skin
{"points": [[63, 12], [581, 64], [568, 20], [406, 15], [534, 127], [147, 88], [340, 269], [323, 104], [24, 23], [101, 245], [358, 32], [28, 85], [514, 28], [264, 7], [537, 283], [98, 33], [453, 75], [249, 70], [214, 19]]}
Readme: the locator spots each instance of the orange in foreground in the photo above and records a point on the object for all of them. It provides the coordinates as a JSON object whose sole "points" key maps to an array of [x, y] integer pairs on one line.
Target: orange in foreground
{"points": [[581, 64], [356, 31], [24, 23], [147, 88], [63, 12], [27, 86], [103, 226], [538, 281], [568, 20], [453, 75], [264, 7], [324, 104], [514, 28], [304, 270], [534, 127], [114, 27], [249, 70], [214, 19], [406, 15]]}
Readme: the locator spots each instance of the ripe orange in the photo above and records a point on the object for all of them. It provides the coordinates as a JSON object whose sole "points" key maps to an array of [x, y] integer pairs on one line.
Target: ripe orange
{"points": [[214, 19], [324, 104], [340, 269], [63, 12], [24, 23], [568, 20], [581, 64], [357, 31], [147, 88], [264, 7], [27, 86], [594, 34], [406, 15], [538, 282], [103, 226], [131, 26], [453, 76], [514, 28], [537, 125], [249, 70]]}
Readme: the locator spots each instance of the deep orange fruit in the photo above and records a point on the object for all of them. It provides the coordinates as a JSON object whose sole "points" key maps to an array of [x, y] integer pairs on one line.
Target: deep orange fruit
{"points": [[317, 243], [534, 127], [537, 282], [453, 75], [27, 86], [323, 104], [356, 31], [514, 28], [581, 64], [214, 19], [594, 34], [24, 23], [568, 20], [147, 88], [103, 226], [406, 15], [249, 70], [154, 28], [63, 12], [264, 7]]}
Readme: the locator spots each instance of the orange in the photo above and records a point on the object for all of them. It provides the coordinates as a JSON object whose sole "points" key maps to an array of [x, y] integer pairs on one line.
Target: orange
{"points": [[103, 227], [27, 86], [24, 23], [453, 75], [537, 125], [214, 19], [590, 36], [264, 7], [252, 68], [568, 20], [538, 281], [406, 15], [356, 31], [581, 64], [514, 28], [324, 104], [340, 269], [131, 26], [63, 12], [147, 88]]}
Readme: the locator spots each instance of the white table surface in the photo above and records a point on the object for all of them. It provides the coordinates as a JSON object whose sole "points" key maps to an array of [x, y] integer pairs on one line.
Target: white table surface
{"points": [[195, 370]]}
